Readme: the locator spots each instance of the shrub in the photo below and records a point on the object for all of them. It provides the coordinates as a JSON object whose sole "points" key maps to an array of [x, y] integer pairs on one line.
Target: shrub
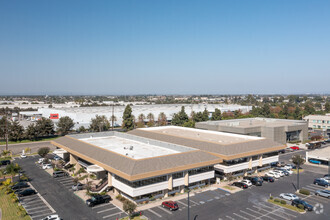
{"points": [[300, 206], [83, 177], [271, 198], [304, 191], [56, 169], [277, 200], [283, 202]]}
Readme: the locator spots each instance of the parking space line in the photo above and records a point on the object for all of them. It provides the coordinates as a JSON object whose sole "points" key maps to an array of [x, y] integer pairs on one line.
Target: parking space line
{"points": [[38, 207], [246, 213], [51, 208], [316, 199], [182, 203], [240, 216], [271, 212], [163, 209], [33, 202], [99, 206], [105, 210], [155, 213], [317, 186], [267, 212], [117, 213], [38, 216], [281, 210], [66, 181], [230, 217], [190, 200], [258, 213], [310, 189], [32, 213]]}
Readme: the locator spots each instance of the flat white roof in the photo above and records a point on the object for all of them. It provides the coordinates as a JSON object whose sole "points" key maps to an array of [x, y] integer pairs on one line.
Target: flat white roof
{"points": [[203, 135], [129, 148], [323, 153]]}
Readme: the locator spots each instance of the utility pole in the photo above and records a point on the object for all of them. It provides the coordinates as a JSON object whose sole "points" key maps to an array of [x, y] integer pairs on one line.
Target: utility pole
{"points": [[6, 132], [113, 116], [298, 174]]}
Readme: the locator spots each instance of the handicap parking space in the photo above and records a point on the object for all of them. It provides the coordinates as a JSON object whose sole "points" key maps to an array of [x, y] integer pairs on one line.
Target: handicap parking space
{"points": [[108, 211], [262, 211]]}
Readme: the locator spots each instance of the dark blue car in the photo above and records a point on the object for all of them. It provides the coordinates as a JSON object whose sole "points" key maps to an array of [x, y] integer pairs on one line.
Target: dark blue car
{"points": [[307, 206], [321, 182]]}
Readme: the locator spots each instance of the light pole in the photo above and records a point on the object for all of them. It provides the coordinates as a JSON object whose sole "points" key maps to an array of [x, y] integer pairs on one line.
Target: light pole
{"points": [[298, 173], [187, 188]]}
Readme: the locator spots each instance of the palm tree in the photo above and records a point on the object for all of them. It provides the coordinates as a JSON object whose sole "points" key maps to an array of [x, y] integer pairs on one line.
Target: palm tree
{"points": [[151, 119], [162, 120], [6, 153]]}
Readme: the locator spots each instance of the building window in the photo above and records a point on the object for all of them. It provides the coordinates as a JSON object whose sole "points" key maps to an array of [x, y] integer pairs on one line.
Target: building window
{"points": [[293, 135], [271, 154], [314, 121], [234, 162], [141, 183], [255, 157], [177, 175], [200, 170]]}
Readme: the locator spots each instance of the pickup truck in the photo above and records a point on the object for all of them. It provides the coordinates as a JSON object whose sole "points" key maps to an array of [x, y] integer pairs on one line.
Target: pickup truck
{"points": [[98, 199]]}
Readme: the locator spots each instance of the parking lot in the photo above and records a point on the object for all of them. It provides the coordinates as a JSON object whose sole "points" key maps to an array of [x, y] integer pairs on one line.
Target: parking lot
{"points": [[36, 206], [250, 203]]}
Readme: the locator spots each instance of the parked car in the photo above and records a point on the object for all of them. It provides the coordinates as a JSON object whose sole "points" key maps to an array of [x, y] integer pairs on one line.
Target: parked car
{"points": [[295, 167], [247, 182], [77, 187], [268, 179], [47, 166], [5, 162], [41, 160], [26, 192], [326, 175], [288, 166], [307, 206], [57, 158], [282, 151], [294, 148], [321, 182], [325, 179], [273, 174], [20, 185], [170, 205], [240, 185], [59, 173], [254, 180], [98, 199], [288, 196], [23, 156], [286, 173], [52, 217], [281, 173], [325, 193], [328, 140]]}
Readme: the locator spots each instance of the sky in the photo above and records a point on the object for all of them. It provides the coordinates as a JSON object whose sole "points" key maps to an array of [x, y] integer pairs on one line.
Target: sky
{"points": [[104, 47]]}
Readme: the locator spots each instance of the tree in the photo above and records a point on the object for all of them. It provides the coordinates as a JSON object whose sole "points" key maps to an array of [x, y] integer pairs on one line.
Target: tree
{"points": [[151, 120], [3, 122], [266, 110], [6, 153], [129, 207], [31, 132], [327, 107], [180, 118], [298, 160], [198, 117], [81, 129], [45, 127], [216, 115], [162, 119], [205, 115], [99, 123], [16, 132], [43, 151], [113, 120], [64, 125], [128, 119], [189, 124], [297, 113], [285, 111], [141, 118]]}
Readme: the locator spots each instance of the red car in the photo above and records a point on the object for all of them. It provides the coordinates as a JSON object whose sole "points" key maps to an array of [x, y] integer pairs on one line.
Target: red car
{"points": [[170, 205], [295, 148]]}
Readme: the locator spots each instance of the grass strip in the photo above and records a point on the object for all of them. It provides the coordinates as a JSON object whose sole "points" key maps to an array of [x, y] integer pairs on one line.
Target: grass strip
{"points": [[288, 206]]}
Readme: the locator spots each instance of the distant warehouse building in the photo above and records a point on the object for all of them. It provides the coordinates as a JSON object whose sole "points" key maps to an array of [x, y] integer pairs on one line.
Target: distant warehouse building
{"points": [[278, 130], [160, 161]]}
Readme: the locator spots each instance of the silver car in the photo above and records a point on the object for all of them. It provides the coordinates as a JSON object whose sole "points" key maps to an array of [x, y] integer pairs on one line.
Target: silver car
{"points": [[77, 187], [324, 193], [288, 196]]}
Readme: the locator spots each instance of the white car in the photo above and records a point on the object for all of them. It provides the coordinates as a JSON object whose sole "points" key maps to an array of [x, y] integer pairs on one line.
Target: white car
{"points": [[273, 174], [288, 196], [288, 167], [247, 182], [23, 156], [52, 217], [281, 173], [41, 160], [289, 171], [47, 166]]}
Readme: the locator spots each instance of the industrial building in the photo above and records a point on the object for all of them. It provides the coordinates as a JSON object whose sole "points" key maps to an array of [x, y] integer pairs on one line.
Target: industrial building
{"points": [[82, 115], [161, 161], [278, 130]]}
